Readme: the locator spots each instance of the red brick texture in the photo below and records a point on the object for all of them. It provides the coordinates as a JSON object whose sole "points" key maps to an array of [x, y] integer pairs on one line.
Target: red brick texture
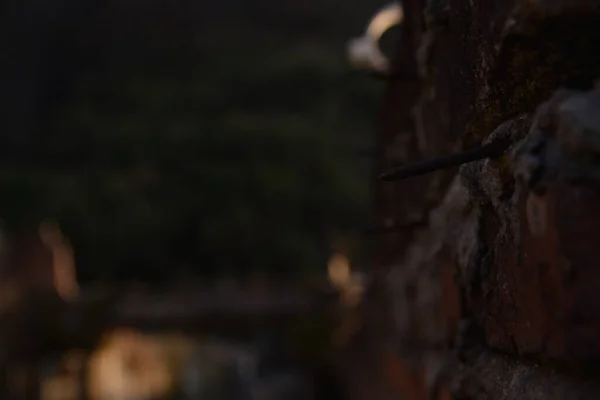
{"points": [[497, 296]]}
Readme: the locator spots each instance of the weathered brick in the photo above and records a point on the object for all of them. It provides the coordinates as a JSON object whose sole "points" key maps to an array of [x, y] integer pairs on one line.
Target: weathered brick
{"points": [[511, 256], [498, 377], [533, 287], [521, 299], [450, 311], [578, 218]]}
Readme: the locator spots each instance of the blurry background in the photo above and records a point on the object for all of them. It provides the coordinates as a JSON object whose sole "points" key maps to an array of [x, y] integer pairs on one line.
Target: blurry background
{"points": [[200, 136], [179, 146]]}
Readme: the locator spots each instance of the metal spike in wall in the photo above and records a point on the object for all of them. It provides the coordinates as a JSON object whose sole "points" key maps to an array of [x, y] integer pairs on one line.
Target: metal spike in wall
{"points": [[490, 150]]}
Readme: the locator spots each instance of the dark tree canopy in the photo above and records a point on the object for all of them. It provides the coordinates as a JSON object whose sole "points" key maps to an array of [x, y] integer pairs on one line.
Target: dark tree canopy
{"points": [[161, 135]]}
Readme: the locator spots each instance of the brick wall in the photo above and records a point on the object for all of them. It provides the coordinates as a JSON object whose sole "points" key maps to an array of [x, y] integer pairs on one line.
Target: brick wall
{"points": [[497, 294]]}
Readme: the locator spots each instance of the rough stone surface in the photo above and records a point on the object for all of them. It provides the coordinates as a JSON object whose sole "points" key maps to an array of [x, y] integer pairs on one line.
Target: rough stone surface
{"points": [[497, 377], [496, 295]]}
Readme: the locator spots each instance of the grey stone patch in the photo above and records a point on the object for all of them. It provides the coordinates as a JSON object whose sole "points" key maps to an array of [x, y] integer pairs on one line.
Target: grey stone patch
{"points": [[564, 141]]}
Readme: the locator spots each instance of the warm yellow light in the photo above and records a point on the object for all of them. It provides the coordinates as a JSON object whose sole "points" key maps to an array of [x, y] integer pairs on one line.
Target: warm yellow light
{"points": [[338, 270], [388, 16], [364, 51], [129, 365], [63, 260]]}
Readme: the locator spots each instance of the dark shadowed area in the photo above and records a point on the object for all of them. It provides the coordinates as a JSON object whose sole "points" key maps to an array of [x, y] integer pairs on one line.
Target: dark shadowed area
{"points": [[189, 136], [299, 200], [174, 178]]}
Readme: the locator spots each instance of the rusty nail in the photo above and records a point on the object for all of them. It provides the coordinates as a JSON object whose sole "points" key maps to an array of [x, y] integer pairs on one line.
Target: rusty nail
{"points": [[490, 150]]}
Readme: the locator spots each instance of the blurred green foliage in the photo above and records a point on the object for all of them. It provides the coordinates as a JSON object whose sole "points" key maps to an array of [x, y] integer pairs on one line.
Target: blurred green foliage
{"points": [[223, 142]]}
